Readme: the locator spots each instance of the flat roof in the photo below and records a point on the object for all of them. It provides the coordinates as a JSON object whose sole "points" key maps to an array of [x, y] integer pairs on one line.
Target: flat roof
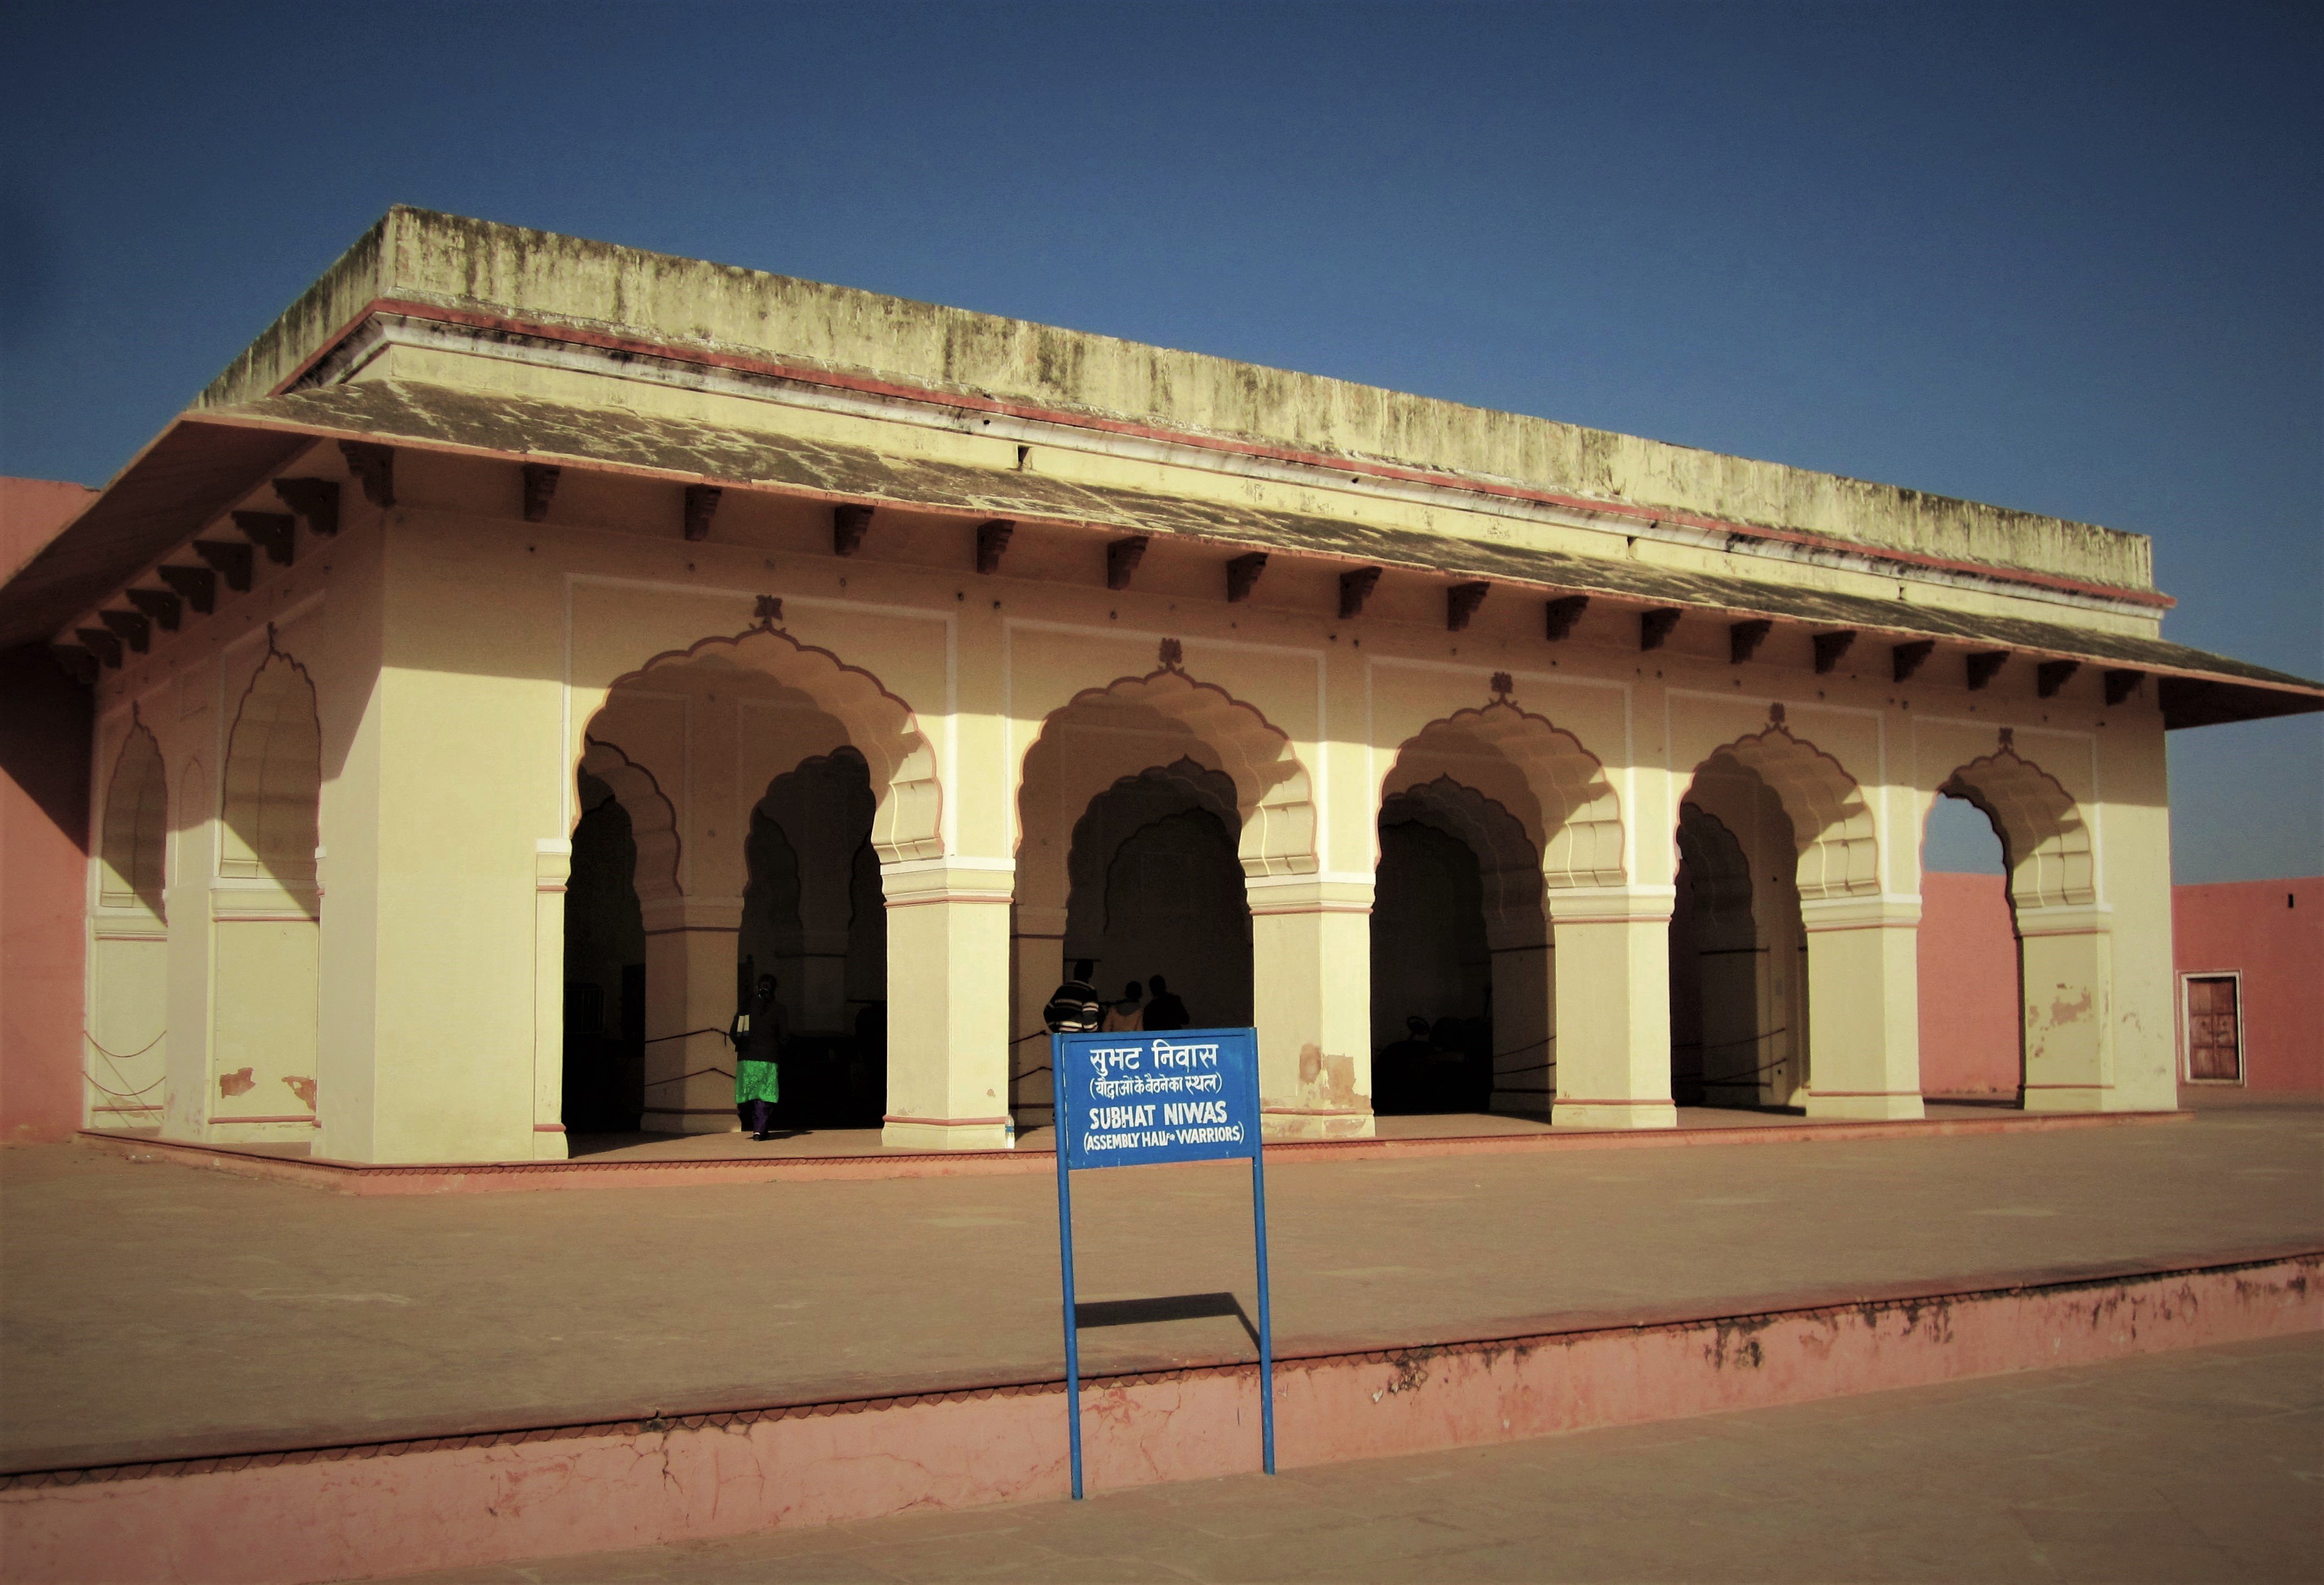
{"points": [[514, 279]]}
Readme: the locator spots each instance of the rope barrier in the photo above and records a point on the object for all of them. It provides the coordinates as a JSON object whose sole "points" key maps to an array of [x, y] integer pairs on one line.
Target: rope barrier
{"points": [[120, 1095], [1753, 1072], [131, 1056], [696, 1073], [689, 1035], [116, 1059]]}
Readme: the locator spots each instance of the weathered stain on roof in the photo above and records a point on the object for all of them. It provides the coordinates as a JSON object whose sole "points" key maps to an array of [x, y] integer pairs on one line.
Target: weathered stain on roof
{"points": [[542, 277]]}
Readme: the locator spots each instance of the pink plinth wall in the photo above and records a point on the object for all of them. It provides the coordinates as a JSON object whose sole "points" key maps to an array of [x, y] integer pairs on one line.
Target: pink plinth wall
{"points": [[45, 723], [1969, 1041], [352, 1513], [2273, 931]]}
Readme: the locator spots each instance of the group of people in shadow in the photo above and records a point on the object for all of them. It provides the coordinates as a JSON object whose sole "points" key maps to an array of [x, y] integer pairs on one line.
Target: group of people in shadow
{"points": [[1075, 1007], [1445, 1066]]}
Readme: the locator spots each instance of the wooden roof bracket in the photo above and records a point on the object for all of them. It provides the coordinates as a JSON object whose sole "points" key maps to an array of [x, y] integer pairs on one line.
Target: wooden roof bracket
{"points": [[1461, 603], [1830, 648], [993, 543], [1121, 559], [1744, 639]]}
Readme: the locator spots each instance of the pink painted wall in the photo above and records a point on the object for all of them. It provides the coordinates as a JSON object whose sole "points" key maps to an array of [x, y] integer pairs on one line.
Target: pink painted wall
{"points": [[1969, 1043], [45, 721], [1968, 979], [2273, 932]]}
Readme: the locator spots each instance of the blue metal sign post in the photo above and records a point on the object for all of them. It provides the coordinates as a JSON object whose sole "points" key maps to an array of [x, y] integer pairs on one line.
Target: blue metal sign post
{"points": [[1131, 1099]]}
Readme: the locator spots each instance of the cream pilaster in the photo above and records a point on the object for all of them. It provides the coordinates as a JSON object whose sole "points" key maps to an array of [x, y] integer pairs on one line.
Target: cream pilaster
{"points": [[1310, 981], [2066, 969], [949, 994], [1612, 978], [1864, 1035], [552, 865]]}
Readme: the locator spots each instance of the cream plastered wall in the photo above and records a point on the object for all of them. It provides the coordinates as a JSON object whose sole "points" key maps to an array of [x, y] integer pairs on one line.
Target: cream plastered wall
{"points": [[459, 656], [217, 990]]}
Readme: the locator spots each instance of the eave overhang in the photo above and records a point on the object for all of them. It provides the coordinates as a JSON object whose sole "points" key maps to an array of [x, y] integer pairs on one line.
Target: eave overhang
{"points": [[209, 458]]}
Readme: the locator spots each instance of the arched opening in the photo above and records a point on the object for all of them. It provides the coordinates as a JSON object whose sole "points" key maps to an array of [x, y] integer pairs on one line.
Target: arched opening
{"points": [[1157, 889], [1145, 810], [1485, 816], [604, 971], [1966, 958], [814, 916], [1737, 944], [267, 908], [2063, 943], [1432, 1009], [128, 1010], [789, 881]]}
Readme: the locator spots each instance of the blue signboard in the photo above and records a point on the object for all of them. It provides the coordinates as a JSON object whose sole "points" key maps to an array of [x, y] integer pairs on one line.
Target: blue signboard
{"points": [[1134, 1099]]}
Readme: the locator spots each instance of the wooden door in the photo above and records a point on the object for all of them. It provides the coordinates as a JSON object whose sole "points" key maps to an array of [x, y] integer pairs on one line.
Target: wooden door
{"points": [[2214, 1044]]}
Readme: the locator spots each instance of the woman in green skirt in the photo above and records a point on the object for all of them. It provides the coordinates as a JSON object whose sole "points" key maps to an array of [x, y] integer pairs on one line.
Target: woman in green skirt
{"points": [[758, 1036]]}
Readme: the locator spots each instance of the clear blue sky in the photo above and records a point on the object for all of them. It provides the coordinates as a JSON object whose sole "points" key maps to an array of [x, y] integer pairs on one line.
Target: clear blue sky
{"points": [[2070, 259]]}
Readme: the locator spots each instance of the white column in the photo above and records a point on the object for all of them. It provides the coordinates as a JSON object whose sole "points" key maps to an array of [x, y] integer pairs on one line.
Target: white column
{"points": [[1612, 965], [948, 996], [2066, 972], [1863, 1007], [1311, 978]]}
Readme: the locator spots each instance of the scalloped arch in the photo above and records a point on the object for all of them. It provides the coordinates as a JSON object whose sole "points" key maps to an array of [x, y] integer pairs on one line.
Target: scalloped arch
{"points": [[1831, 821], [1274, 794], [909, 821], [1557, 791], [653, 820], [2042, 831]]}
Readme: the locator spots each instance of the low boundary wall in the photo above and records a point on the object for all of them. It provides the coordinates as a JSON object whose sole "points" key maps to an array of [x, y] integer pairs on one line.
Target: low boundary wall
{"points": [[332, 1512]]}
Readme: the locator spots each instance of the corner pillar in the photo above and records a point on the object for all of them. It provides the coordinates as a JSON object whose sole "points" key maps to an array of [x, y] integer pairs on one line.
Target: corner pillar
{"points": [[1311, 978], [2066, 971], [1863, 1007], [948, 994], [691, 945], [1611, 976]]}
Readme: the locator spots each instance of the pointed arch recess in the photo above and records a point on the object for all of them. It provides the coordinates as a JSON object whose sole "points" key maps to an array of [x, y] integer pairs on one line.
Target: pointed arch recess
{"points": [[1274, 794], [2043, 834], [1557, 790], [1831, 821], [909, 821], [133, 846], [270, 809]]}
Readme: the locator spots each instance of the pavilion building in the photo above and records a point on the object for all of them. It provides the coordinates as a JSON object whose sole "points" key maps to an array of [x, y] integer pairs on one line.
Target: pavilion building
{"points": [[527, 641]]}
